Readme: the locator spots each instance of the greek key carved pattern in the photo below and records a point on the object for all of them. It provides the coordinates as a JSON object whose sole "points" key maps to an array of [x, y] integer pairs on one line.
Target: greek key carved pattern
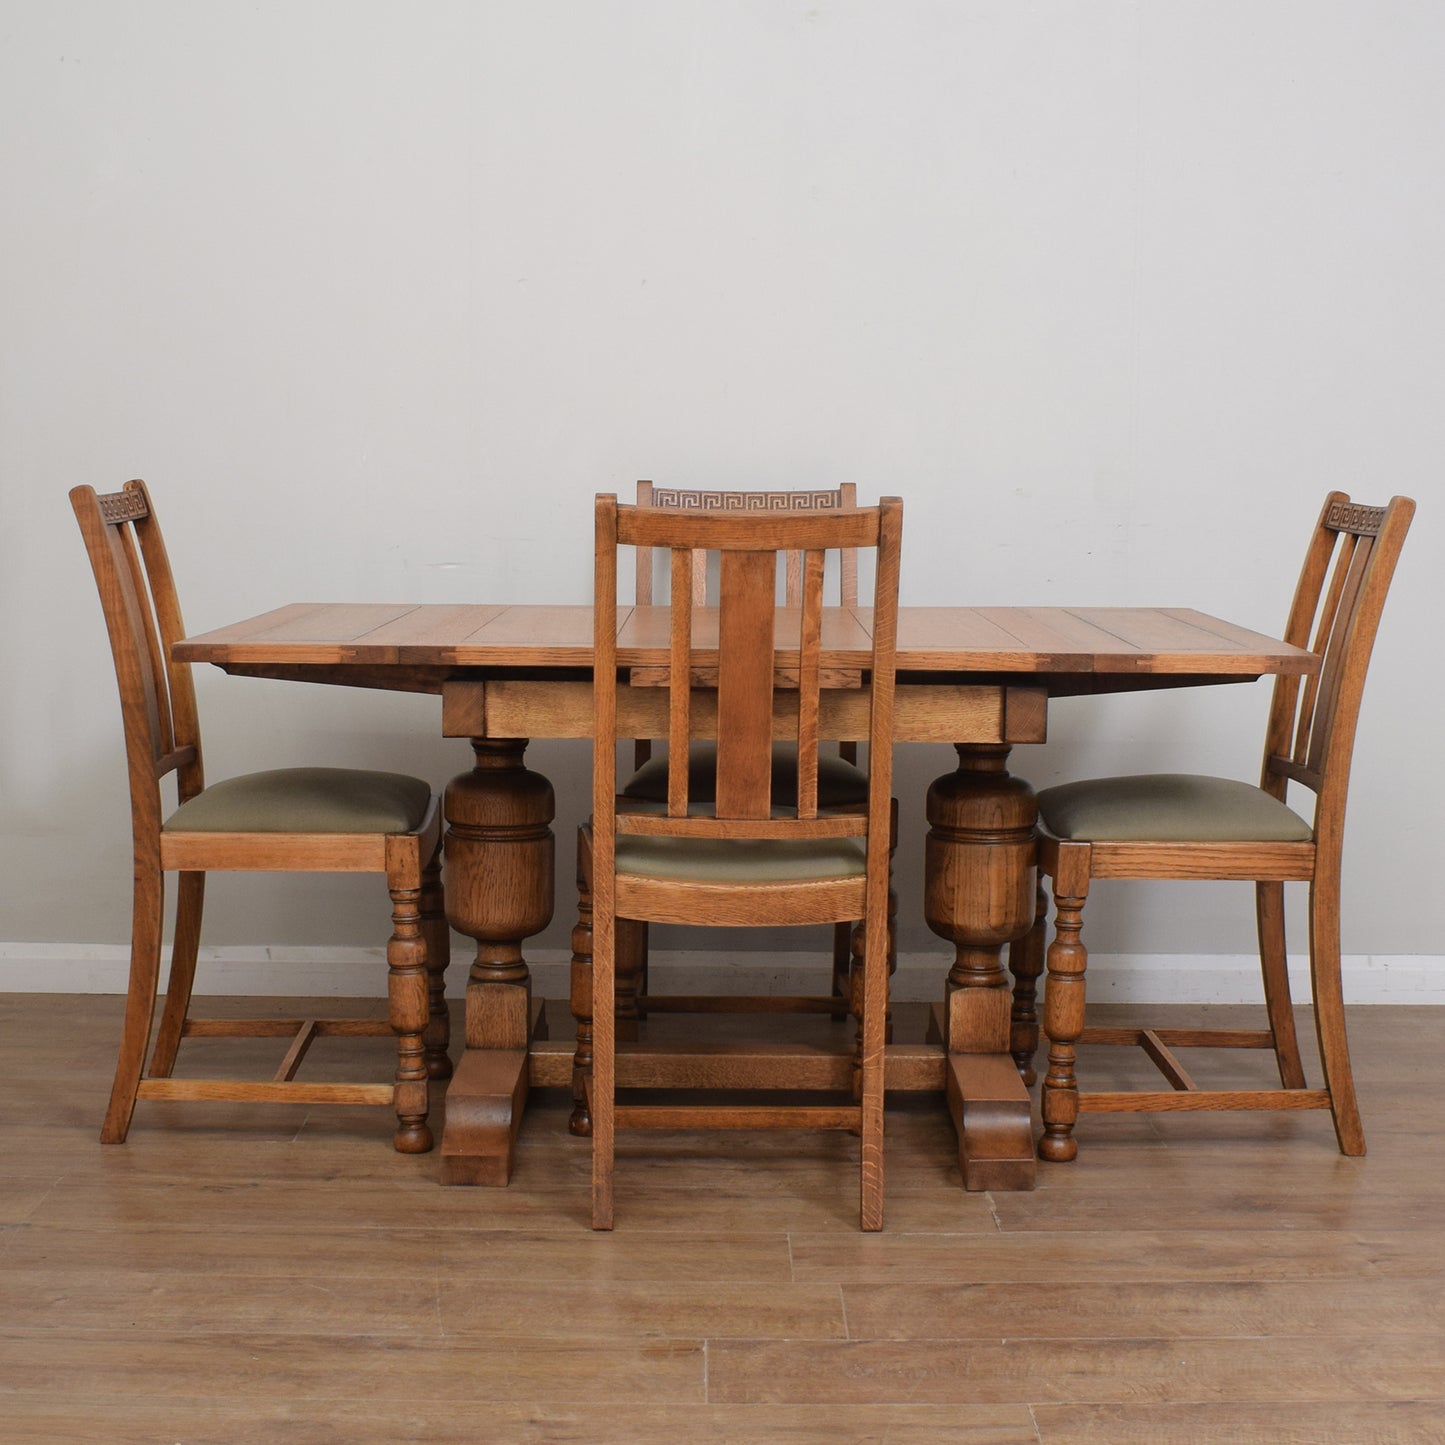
{"points": [[689, 501], [1353, 518], [117, 507]]}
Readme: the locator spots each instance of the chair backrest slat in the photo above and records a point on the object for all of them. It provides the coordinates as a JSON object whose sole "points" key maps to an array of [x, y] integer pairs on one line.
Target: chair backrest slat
{"points": [[679, 703], [810, 634], [136, 599], [1336, 613], [1335, 564], [745, 684], [1350, 570]]}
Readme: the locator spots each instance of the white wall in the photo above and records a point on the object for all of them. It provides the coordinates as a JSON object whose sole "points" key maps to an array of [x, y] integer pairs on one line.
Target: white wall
{"points": [[377, 295]]}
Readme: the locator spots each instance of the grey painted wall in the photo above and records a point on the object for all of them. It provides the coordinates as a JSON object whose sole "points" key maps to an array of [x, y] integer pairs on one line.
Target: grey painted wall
{"points": [[376, 296]]}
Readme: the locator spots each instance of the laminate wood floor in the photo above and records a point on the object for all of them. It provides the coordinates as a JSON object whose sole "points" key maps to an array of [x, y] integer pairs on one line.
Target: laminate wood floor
{"points": [[238, 1274]]}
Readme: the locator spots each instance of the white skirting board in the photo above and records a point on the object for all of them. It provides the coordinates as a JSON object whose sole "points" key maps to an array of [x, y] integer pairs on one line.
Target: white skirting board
{"points": [[360, 972]]}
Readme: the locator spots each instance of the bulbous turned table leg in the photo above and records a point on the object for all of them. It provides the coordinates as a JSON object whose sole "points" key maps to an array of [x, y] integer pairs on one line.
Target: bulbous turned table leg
{"points": [[500, 866], [979, 894]]}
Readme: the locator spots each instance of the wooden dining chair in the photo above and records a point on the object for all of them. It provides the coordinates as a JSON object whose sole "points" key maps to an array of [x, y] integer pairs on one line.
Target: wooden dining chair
{"points": [[741, 856], [1185, 826], [840, 781], [326, 820]]}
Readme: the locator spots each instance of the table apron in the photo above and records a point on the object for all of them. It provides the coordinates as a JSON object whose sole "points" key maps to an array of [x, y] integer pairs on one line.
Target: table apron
{"points": [[923, 712]]}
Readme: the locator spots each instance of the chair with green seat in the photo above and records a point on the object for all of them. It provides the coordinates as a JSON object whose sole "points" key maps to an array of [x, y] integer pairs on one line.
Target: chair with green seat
{"points": [[742, 856], [293, 820], [1184, 826], [841, 782]]}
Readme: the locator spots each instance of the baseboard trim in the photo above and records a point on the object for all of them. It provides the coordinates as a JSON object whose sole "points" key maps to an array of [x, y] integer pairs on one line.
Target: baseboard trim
{"points": [[359, 972]]}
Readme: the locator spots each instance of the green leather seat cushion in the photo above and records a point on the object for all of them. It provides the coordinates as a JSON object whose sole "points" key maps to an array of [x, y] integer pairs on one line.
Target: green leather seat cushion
{"points": [[737, 860], [306, 800], [840, 783], [1170, 808]]}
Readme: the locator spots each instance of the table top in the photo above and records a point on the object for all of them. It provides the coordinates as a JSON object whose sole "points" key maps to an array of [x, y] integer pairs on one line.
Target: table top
{"points": [[418, 646]]}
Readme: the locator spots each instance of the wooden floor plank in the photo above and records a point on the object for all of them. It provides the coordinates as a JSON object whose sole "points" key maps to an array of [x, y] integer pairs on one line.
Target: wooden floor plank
{"points": [[1348, 1368], [1403, 1422], [432, 1254], [1205, 1206], [1193, 1309], [245, 1366], [167, 1302], [1137, 1256], [32, 1420]]}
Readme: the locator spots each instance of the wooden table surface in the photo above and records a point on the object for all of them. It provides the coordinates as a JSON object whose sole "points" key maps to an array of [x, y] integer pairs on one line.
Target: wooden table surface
{"points": [[1073, 646]]}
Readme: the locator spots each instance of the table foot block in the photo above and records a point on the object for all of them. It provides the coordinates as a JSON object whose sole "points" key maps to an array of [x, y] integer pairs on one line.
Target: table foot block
{"points": [[485, 1100], [990, 1108]]}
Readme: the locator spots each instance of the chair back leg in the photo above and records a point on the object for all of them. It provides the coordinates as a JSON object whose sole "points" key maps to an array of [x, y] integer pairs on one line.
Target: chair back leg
{"points": [[1274, 967], [1330, 1014], [872, 1031], [602, 1093], [190, 898], [140, 1002]]}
